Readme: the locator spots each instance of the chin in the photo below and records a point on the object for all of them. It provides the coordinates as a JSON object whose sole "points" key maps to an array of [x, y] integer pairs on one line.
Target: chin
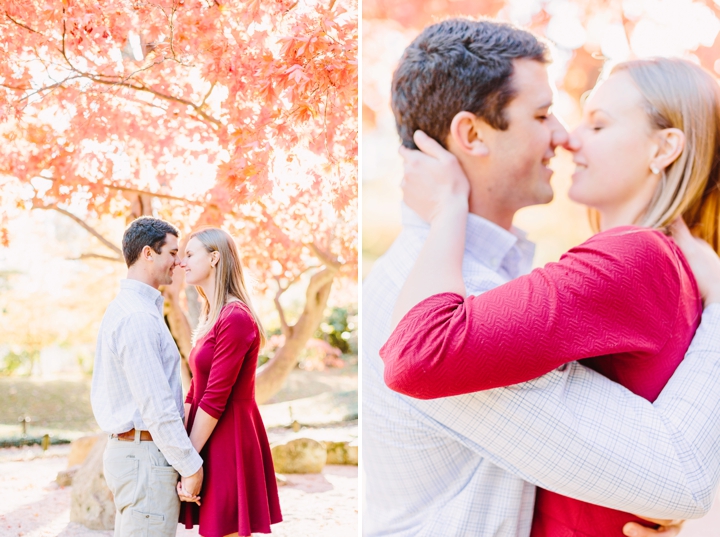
{"points": [[544, 195]]}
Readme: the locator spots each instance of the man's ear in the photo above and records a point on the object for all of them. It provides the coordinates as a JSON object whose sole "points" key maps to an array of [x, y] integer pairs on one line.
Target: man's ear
{"points": [[147, 253], [467, 134]]}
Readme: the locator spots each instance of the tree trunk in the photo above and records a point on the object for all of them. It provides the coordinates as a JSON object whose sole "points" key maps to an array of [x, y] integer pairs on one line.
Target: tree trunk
{"points": [[271, 377]]}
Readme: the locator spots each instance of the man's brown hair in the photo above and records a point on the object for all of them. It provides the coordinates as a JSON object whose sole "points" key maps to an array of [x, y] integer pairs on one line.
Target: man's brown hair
{"points": [[459, 65]]}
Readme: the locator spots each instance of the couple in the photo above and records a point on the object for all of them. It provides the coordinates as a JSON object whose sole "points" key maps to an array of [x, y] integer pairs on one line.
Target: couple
{"points": [[632, 428], [224, 466]]}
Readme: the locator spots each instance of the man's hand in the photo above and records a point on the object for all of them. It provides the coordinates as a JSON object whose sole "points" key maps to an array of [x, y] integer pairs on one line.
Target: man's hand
{"points": [[668, 528], [186, 496], [703, 261], [433, 178], [192, 484]]}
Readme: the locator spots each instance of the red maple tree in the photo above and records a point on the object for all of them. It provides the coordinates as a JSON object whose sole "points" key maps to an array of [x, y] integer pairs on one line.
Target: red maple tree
{"points": [[127, 108]]}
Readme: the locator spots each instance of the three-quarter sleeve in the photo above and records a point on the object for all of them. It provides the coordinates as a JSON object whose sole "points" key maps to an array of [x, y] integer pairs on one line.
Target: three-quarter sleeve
{"points": [[191, 392], [617, 292], [235, 332]]}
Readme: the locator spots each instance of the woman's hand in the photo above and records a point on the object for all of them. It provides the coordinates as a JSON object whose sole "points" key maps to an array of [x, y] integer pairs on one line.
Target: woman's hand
{"points": [[668, 528], [433, 180], [703, 261]]}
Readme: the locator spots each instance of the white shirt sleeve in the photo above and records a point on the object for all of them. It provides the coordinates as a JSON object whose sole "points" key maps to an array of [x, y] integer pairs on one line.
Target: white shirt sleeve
{"points": [[140, 358], [579, 434]]}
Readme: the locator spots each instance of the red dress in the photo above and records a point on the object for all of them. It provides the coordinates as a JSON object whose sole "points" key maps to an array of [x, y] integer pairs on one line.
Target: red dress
{"points": [[625, 303], [239, 491]]}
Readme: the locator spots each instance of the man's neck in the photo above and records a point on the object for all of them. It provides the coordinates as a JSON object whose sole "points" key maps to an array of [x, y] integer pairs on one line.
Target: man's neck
{"points": [[484, 206], [136, 273]]}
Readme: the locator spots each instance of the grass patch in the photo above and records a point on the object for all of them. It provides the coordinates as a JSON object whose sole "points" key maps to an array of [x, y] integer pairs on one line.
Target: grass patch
{"points": [[51, 404]]}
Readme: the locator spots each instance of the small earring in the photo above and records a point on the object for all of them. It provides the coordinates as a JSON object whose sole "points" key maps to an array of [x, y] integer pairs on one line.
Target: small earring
{"points": [[654, 169]]}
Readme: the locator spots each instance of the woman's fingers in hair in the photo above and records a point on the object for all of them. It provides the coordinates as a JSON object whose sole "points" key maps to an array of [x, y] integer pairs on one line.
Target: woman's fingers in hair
{"points": [[430, 147]]}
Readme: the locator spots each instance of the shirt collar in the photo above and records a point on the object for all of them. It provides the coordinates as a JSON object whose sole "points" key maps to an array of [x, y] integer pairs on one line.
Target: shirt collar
{"points": [[143, 290], [485, 241]]}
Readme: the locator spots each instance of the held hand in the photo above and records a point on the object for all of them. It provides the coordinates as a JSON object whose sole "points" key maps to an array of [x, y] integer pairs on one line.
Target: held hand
{"points": [[192, 484], [433, 178], [668, 528], [703, 261], [185, 496]]}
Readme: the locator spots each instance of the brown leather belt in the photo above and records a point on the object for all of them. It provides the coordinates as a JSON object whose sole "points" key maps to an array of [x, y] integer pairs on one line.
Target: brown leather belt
{"points": [[129, 436]]}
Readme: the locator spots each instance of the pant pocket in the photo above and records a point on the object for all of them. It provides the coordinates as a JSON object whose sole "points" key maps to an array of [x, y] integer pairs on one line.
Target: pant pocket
{"points": [[147, 524], [163, 493], [121, 475]]}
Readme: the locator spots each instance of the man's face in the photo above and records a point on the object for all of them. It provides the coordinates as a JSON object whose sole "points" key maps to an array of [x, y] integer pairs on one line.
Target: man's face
{"points": [[519, 156], [165, 262]]}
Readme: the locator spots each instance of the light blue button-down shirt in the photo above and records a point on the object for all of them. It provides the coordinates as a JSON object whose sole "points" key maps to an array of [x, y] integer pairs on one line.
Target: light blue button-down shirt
{"points": [[467, 465], [136, 377]]}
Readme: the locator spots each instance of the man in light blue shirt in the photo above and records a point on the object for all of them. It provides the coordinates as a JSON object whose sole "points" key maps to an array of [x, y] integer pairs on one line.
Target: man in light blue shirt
{"points": [[468, 465]]}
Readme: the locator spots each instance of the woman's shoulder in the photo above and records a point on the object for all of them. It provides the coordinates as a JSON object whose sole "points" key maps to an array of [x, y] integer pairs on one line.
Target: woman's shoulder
{"points": [[235, 313], [633, 243]]}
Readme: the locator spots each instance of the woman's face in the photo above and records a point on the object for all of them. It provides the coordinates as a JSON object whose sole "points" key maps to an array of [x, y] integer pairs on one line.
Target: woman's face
{"points": [[197, 263], [612, 165]]}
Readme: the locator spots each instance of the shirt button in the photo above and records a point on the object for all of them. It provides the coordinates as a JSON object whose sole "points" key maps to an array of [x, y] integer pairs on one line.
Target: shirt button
{"points": [[147, 516]]}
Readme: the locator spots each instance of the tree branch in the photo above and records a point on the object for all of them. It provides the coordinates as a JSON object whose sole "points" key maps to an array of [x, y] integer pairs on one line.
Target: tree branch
{"points": [[98, 256], [23, 25], [83, 224], [143, 88], [286, 329], [324, 257]]}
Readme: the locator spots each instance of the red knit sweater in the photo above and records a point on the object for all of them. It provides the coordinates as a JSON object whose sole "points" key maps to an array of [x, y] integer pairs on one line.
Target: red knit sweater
{"points": [[624, 302]]}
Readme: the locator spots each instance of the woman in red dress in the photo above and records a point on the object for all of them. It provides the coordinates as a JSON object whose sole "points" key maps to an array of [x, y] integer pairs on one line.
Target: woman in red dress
{"points": [[239, 492], [625, 302]]}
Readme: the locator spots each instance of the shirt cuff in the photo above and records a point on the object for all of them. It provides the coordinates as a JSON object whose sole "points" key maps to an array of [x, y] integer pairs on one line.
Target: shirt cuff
{"points": [[189, 465]]}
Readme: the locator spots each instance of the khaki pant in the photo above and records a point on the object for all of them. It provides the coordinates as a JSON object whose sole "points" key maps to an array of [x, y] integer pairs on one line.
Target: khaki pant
{"points": [[143, 486]]}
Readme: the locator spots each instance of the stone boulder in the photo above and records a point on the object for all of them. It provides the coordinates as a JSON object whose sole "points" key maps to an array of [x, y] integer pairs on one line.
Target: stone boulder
{"points": [[299, 456], [342, 452], [65, 477], [92, 502], [80, 448]]}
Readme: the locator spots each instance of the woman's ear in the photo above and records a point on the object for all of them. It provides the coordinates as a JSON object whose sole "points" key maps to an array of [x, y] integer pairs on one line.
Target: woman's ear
{"points": [[467, 134], [670, 144], [214, 258]]}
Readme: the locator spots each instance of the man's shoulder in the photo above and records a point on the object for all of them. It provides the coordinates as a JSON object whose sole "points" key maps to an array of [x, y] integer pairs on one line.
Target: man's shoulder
{"points": [[397, 261], [122, 311]]}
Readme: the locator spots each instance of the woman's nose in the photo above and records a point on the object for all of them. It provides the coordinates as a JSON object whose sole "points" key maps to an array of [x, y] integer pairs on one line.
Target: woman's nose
{"points": [[573, 142]]}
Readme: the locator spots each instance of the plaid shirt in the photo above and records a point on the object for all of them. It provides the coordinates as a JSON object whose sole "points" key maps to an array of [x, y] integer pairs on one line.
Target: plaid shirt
{"points": [[467, 465], [136, 378]]}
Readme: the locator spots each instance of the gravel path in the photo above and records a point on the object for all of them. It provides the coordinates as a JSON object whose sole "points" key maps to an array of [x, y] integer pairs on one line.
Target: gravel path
{"points": [[33, 505]]}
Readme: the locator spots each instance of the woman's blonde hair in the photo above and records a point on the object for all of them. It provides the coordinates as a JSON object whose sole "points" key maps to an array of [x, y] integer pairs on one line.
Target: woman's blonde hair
{"points": [[229, 280], [679, 94]]}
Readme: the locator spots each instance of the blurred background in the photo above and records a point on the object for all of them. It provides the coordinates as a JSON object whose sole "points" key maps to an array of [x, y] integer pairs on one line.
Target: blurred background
{"points": [[238, 114], [586, 35]]}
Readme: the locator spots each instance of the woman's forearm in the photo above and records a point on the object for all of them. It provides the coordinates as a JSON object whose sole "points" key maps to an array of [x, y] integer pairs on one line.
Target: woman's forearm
{"points": [[202, 428], [187, 414], [438, 268]]}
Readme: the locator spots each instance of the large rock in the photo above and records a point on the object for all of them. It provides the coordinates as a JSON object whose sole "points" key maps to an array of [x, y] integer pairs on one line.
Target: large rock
{"points": [[299, 456], [65, 477], [80, 448], [92, 502], [342, 452]]}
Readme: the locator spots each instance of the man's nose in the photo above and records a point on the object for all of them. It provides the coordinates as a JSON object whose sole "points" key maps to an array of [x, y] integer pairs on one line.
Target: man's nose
{"points": [[562, 138], [559, 133]]}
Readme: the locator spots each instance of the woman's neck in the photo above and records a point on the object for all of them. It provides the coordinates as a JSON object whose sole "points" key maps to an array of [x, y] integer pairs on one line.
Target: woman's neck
{"points": [[627, 214]]}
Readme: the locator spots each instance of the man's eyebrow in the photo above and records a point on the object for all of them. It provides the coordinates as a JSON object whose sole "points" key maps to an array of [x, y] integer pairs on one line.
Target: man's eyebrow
{"points": [[545, 106]]}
